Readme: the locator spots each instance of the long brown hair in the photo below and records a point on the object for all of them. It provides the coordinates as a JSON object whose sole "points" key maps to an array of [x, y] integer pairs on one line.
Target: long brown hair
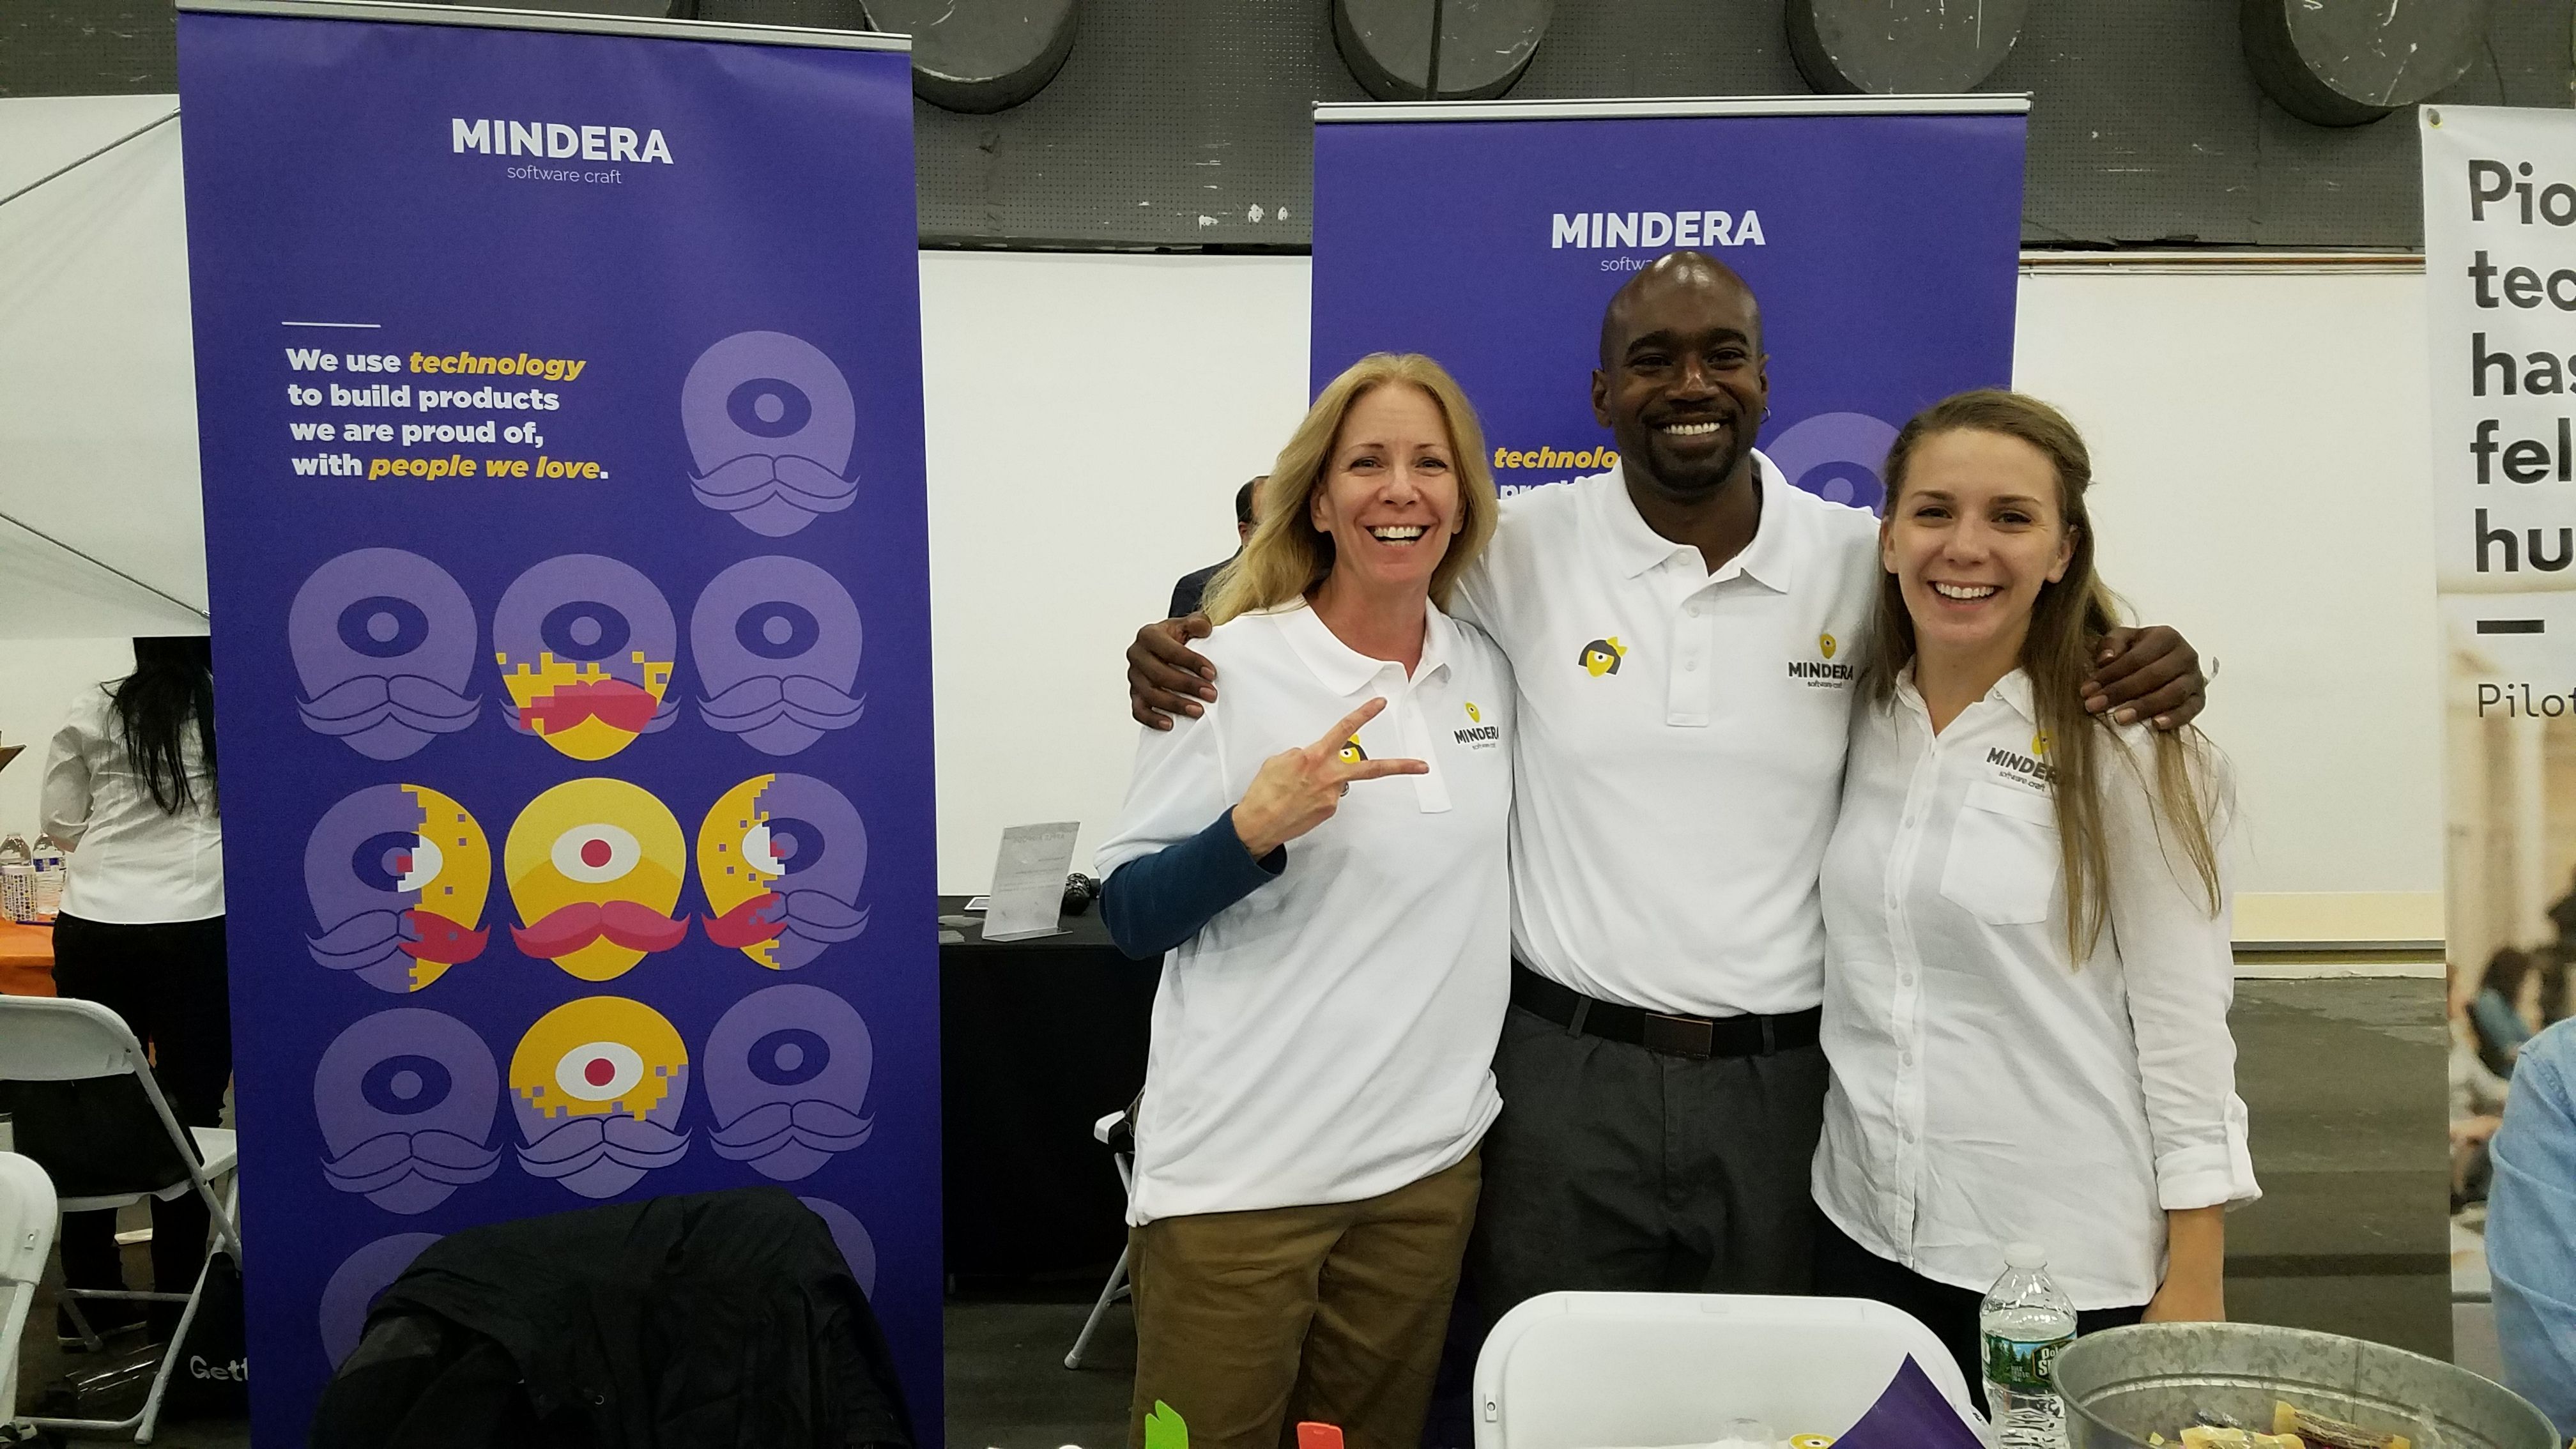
{"points": [[2067, 623], [1287, 555]]}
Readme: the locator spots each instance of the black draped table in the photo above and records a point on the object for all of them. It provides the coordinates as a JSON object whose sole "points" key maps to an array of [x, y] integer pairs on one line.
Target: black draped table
{"points": [[1037, 1039]]}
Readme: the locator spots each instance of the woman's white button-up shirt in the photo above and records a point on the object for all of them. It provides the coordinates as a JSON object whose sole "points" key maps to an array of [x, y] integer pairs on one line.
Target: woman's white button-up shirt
{"points": [[1987, 1089]]}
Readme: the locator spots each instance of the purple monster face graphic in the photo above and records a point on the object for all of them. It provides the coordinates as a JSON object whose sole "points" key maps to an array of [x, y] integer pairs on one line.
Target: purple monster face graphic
{"points": [[770, 422], [406, 1099], [1836, 456], [397, 875], [586, 646], [786, 1074], [851, 1237], [776, 642], [781, 859], [357, 1282], [384, 643]]}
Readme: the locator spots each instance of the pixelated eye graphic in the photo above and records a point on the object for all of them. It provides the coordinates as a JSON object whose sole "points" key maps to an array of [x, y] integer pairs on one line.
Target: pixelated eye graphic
{"points": [[599, 1071], [420, 865], [595, 853], [760, 854]]}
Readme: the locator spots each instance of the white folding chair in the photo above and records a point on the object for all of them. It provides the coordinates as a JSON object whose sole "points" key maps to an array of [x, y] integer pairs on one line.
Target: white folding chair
{"points": [[1585, 1370], [1103, 1131], [27, 1218], [55, 1039]]}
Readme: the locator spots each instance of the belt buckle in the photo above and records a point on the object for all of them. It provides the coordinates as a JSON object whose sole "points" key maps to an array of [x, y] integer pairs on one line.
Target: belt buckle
{"points": [[1680, 1036]]}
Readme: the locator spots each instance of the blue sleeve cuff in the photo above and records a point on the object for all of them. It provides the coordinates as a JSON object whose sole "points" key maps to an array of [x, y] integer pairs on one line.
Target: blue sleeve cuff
{"points": [[1156, 902]]}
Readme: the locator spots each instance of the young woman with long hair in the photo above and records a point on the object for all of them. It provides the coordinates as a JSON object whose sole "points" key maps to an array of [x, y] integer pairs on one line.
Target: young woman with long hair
{"points": [[129, 794], [1324, 857], [2028, 966]]}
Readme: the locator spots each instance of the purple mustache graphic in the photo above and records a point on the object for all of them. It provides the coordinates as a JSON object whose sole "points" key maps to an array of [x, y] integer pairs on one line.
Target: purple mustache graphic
{"points": [[770, 422], [571, 1150]]}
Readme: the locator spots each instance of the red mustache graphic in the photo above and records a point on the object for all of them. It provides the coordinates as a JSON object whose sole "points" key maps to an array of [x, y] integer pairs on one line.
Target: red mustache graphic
{"points": [[613, 702], [756, 920], [436, 938], [626, 923]]}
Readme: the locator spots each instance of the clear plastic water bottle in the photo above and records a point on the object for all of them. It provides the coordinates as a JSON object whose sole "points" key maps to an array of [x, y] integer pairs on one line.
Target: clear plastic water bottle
{"points": [[2024, 1321], [48, 861]]}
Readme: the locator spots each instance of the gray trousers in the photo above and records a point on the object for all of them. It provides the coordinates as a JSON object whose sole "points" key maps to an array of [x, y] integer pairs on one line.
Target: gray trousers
{"points": [[1614, 1167]]}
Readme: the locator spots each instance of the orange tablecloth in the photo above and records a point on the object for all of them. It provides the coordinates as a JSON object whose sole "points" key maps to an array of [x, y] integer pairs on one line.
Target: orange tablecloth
{"points": [[26, 959]]}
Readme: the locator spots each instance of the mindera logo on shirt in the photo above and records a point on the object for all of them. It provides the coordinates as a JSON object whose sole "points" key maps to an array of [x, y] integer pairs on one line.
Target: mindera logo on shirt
{"points": [[1823, 672], [1479, 735], [2032, 770], [1352, 754], [1602, 656]]}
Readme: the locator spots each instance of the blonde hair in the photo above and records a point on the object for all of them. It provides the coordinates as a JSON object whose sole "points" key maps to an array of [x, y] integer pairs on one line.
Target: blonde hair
{"points": [[2067, 623], [1287, 555]]}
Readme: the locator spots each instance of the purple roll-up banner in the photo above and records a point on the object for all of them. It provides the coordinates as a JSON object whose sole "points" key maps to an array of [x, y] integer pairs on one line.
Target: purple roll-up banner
{"points": [[1881, 236], [559, 403]]}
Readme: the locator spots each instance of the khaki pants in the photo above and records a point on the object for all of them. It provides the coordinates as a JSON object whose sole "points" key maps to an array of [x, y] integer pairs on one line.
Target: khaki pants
{"points": [[1248, 1322]]}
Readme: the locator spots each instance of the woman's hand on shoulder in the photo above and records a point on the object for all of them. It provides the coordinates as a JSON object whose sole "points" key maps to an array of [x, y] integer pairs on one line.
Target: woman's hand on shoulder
{"points": [[1297, 790]]}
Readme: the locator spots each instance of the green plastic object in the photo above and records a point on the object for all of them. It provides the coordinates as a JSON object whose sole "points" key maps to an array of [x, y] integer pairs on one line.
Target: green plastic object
{"points": [[1164, 1429]]}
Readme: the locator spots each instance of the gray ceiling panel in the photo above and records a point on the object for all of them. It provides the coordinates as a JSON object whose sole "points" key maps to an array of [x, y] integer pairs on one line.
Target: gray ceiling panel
{"points": [[1183, 124]]}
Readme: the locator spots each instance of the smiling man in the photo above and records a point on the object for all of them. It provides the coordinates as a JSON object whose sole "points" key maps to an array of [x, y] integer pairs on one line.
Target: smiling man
{"points": [[1681, 630]]}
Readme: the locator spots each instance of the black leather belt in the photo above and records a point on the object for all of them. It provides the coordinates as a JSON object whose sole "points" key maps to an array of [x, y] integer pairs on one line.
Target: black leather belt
{"points": [[1681, 1036]]}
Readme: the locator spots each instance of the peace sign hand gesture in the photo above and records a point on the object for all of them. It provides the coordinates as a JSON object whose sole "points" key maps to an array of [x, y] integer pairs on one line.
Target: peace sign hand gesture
{"points": [[1300, 789]]}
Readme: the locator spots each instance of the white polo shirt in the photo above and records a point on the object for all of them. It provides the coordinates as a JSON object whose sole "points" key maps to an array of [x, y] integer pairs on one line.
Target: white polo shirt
{"points": [[1680, 750], [1986, 1088], [1330, 1037]]}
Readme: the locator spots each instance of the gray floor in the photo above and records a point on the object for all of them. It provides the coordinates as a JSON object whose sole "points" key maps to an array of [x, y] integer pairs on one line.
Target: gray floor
{"points": [[1008, 1387]]}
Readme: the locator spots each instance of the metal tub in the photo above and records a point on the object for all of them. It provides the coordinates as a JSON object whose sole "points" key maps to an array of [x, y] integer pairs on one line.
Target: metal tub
{"points": [[2122, 1385]]}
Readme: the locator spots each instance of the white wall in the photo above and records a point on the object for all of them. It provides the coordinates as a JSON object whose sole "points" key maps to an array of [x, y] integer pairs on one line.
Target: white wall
{"points": [[1090, 418], [2262, 453], [39, 680]]}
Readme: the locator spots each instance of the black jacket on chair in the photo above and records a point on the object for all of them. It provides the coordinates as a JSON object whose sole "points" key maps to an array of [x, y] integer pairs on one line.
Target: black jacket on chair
{"points": [[725, 1320]]}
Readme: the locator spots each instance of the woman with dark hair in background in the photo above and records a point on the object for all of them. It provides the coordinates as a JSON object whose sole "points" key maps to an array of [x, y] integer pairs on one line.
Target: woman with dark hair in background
{"points": [[2496, 1011], [129, 794]]}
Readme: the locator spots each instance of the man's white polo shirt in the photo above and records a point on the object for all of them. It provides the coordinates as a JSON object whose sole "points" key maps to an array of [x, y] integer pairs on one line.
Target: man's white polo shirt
{"points": [[1330, 1036], [1680, 745]]}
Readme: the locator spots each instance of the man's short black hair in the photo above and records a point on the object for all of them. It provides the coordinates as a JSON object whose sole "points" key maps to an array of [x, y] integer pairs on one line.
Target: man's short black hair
{"points": [[1243, 505]]}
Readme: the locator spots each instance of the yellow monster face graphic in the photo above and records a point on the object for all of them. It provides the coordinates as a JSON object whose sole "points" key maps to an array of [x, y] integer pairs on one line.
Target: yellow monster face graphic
{"points": [[1826, 643], [597, 1087], [1351, 753], [1602, 656], [594, 868], [586, 646]]}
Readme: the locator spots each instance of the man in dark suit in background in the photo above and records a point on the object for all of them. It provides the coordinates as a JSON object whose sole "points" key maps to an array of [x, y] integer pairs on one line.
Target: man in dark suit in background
{"points": [[1185, 594]]}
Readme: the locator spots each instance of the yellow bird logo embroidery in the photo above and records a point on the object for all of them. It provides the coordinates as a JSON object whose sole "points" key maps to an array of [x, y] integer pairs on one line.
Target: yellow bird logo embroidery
{"points": [[1602, 656]]}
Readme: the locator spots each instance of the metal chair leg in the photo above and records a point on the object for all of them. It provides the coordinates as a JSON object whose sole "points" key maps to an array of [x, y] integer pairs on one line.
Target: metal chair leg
{"points": [[1109, 1292]]}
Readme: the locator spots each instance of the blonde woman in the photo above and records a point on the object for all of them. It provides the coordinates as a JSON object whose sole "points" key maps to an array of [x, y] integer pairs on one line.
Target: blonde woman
{"points": [[1322, 858], [2027, 966]]}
